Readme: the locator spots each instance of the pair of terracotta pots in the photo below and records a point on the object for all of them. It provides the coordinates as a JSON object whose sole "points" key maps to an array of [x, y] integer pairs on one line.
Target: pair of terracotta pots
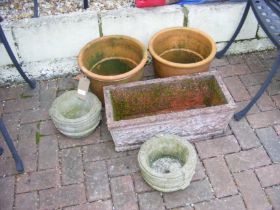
{"points": [[118, 59]]}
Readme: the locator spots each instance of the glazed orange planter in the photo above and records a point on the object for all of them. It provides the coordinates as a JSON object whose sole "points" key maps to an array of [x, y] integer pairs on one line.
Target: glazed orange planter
{"points": [[112, 60], [181, 51]]}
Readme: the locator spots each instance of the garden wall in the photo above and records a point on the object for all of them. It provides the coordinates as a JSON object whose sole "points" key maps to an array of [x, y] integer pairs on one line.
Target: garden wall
{"points": [[47, 46]]}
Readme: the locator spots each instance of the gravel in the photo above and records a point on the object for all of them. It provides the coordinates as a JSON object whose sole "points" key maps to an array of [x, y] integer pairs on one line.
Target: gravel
{"points": [[166, 165], [19, 9]]}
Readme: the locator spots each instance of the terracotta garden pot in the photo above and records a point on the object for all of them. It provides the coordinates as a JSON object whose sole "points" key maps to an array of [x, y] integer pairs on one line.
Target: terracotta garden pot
{"points": [[112, 60], [167, 162], [181, 51]]}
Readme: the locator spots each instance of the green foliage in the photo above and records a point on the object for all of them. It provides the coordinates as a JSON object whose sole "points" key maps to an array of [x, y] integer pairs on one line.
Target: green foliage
{"points": [[25, 96], [38, 136]]}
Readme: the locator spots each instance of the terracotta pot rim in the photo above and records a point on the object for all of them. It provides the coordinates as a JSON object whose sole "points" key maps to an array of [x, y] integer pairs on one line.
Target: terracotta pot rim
{"points": [[181, 65], [99, 77]]}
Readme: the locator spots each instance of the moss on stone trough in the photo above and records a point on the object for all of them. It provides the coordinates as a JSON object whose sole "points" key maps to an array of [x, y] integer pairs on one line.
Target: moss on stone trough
{"points": [[163, 98]]}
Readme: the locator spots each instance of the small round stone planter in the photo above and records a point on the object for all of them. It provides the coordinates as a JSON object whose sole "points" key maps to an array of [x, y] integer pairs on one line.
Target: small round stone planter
{"points": [[167, 162], [75, 117], [181, 51]]}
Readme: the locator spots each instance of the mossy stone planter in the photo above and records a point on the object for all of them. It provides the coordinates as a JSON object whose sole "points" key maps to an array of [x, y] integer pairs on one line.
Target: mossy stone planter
{"points": [[74, 117], [181, 51], [167, 162], [196, 107]]}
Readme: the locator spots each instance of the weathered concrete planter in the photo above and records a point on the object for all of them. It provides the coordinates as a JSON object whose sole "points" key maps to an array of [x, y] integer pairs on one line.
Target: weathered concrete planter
{"points": [[74, 117], [167, 162], [195, 107]]}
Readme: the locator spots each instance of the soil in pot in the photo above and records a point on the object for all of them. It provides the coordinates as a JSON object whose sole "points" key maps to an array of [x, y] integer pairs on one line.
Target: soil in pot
{"points": [[155, 99], [113, 66], [181, 56]]}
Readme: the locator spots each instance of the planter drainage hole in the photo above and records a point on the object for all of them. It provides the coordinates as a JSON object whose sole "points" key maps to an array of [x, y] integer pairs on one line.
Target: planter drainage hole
{"points": [[181, 56], [113, 66], [166, 164]]}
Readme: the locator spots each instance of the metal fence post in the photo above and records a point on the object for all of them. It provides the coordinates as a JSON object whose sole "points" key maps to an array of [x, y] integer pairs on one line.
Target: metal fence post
{"points": [[85, 4], [35, 8]]}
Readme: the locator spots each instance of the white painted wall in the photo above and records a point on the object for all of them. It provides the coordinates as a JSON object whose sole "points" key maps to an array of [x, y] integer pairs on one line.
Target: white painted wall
{"points": [[141, 23], [221, 19], [48, 46], [62, 36], [261, 33], [4, 57], [55, 37]]}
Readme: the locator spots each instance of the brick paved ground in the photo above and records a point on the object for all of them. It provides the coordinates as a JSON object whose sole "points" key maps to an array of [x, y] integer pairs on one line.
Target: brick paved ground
{"points": [[240, 170]]}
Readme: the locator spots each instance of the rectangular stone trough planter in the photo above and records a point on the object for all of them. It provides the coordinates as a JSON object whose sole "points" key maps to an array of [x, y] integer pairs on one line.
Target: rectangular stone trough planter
{"points": [[194, 107]]}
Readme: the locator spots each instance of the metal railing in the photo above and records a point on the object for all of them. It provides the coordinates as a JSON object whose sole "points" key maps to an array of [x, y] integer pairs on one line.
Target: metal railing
{"points": [[36, 5]]}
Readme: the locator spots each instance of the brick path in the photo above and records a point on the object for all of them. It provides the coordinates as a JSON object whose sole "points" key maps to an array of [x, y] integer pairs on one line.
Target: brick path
{"points": [[240, 170]]}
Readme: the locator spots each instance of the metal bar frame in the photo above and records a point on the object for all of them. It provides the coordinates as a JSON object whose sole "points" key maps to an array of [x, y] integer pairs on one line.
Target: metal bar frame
{"points": [[35, 10], [9, 142], [243, 18], [32, 84], [5, 42], [86, 5], [36, 6], [273, 71], [275, 66]]}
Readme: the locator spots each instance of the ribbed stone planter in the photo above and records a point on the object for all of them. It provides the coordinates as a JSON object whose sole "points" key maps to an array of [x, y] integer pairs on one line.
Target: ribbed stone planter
{"points": [[167, 162], [196, 107], [74, 117]]}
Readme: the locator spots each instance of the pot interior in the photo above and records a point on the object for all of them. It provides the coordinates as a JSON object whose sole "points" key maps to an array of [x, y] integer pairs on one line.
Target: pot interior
{"points": [[110, 56], [167, 157], [182, 46], [165, 97], [73, 107]]}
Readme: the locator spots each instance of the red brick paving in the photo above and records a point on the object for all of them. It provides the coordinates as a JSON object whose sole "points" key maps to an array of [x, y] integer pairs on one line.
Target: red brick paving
{"points": [[123, 193], [253, 194], [219, 174], [237, 88], [237, 171], [218, 146], [151, 201], [228, 203], [27, 201], [269, 175], [264, 103]]}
